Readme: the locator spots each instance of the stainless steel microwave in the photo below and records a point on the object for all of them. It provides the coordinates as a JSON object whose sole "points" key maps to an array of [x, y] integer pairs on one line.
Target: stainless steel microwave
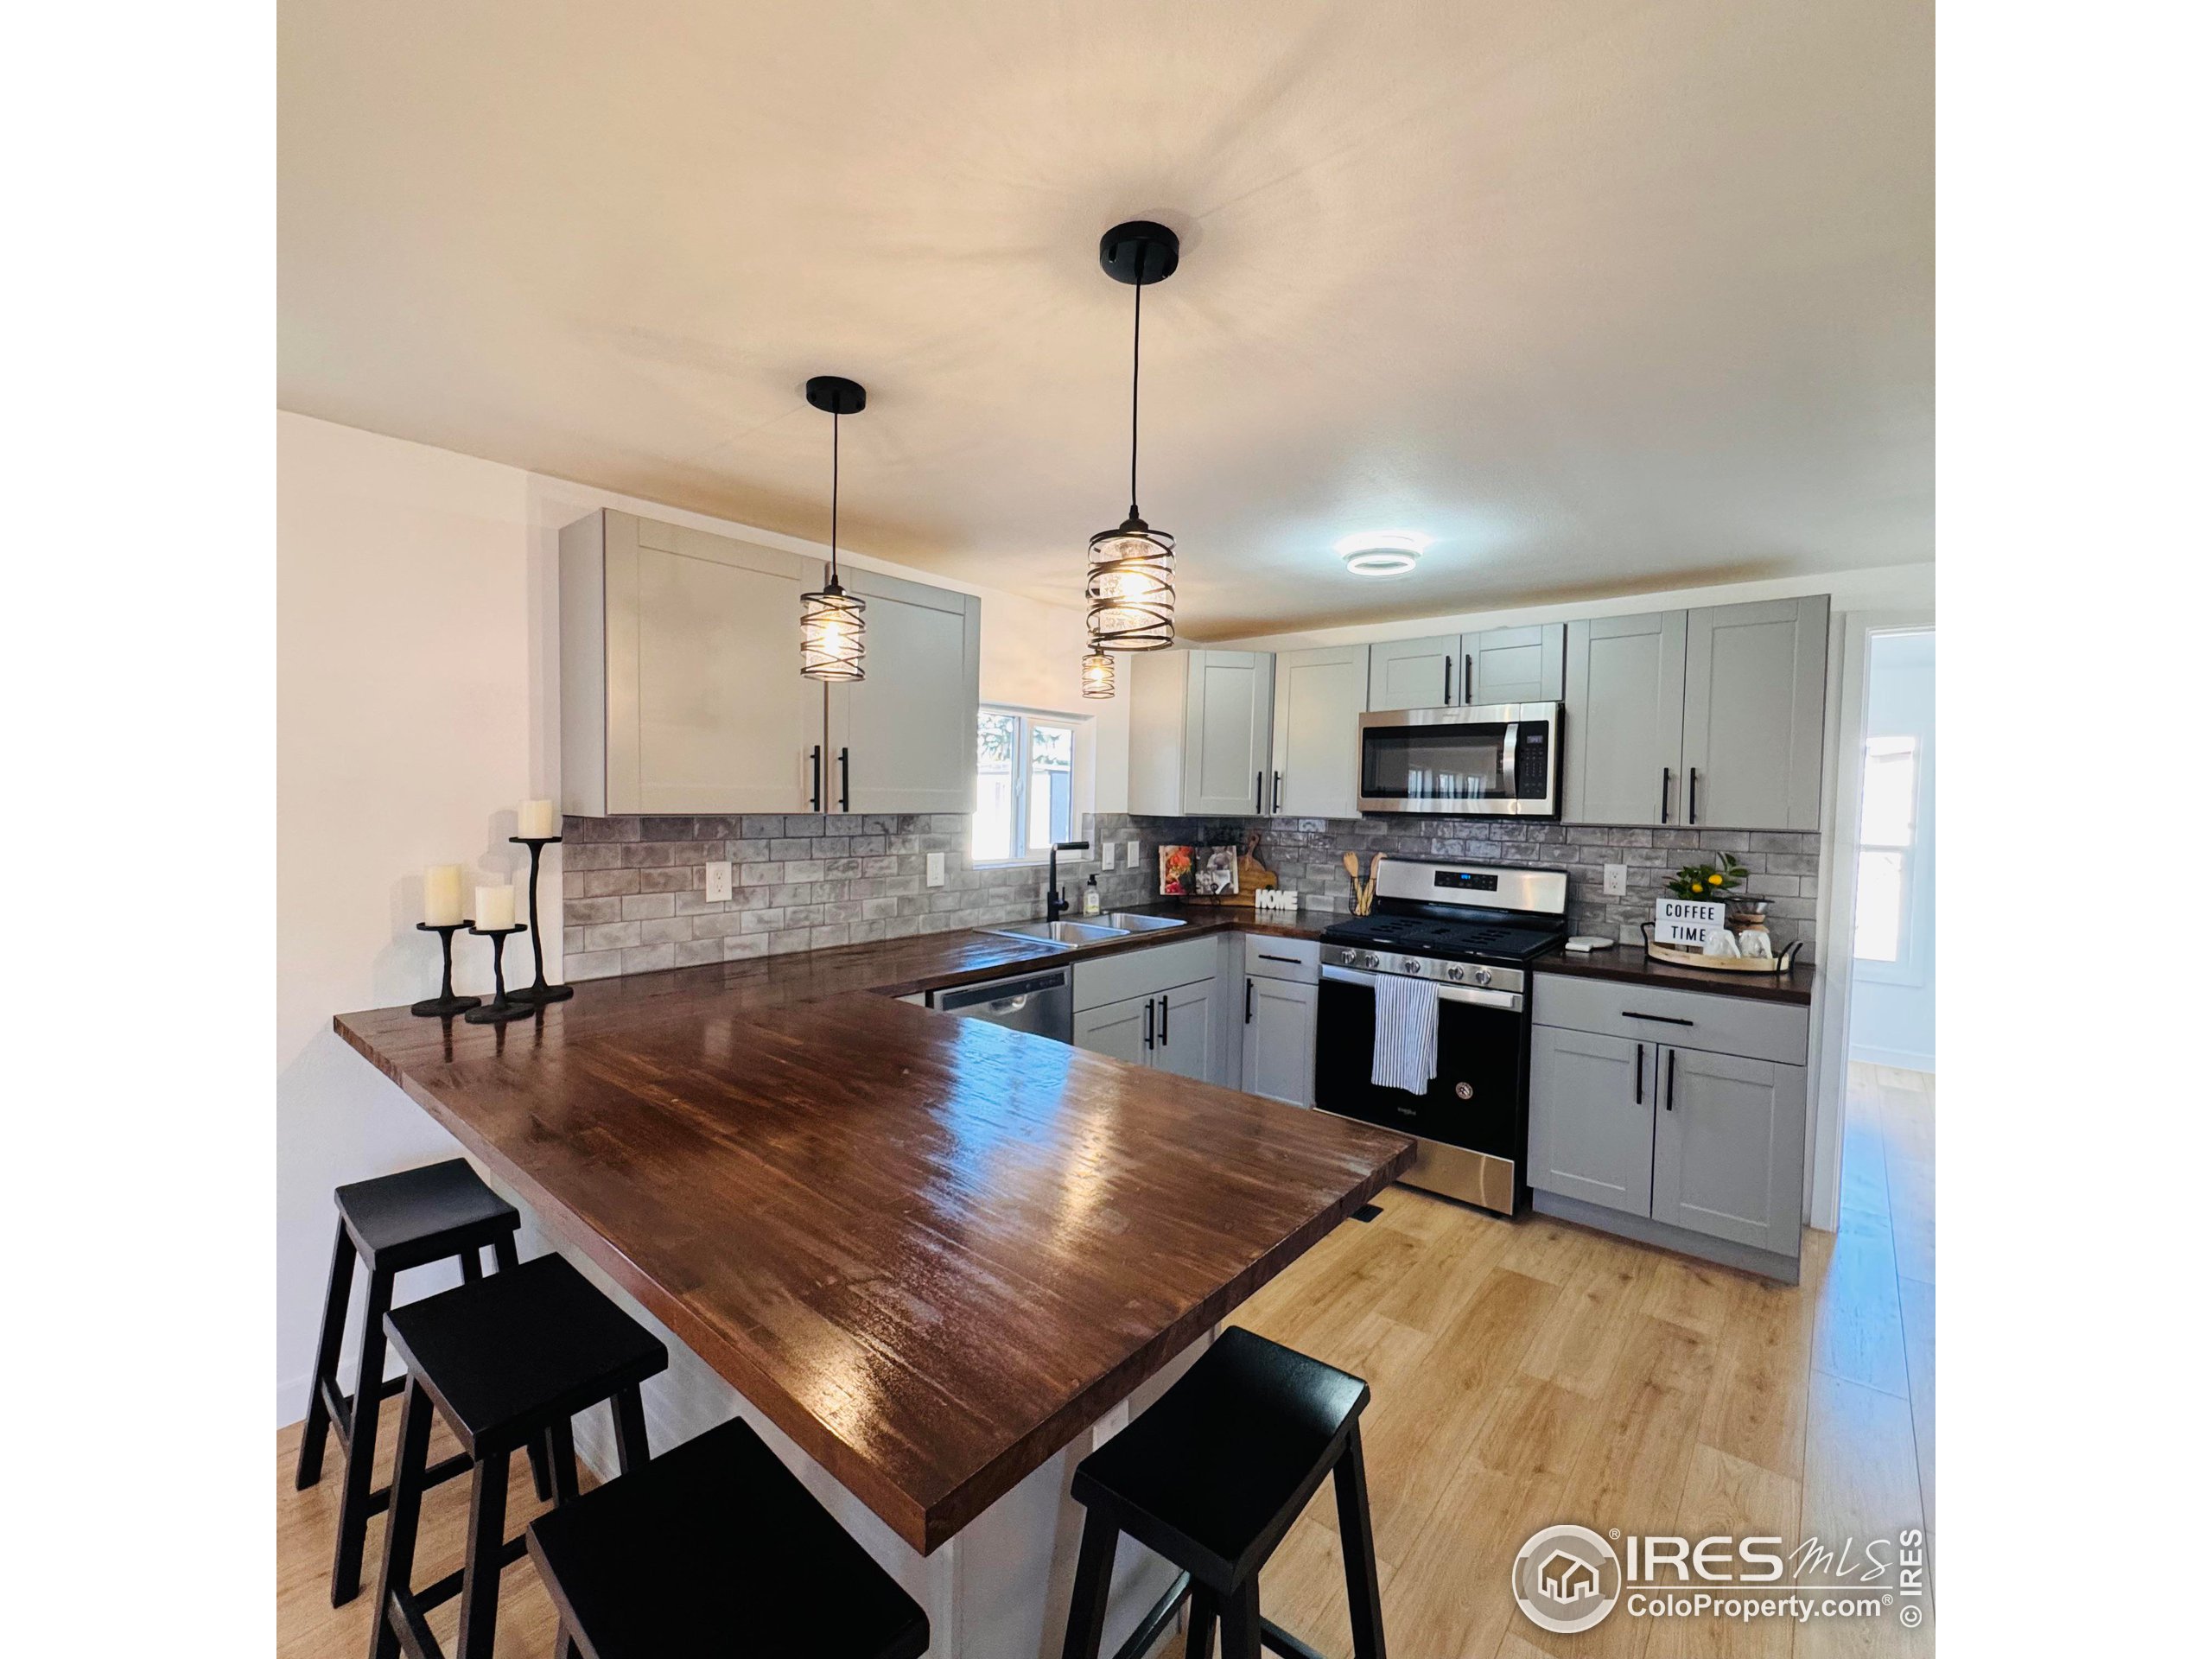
{"points": [[1498, 760]]}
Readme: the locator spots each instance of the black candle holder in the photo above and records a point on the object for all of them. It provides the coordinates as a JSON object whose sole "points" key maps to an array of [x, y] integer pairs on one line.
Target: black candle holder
{"points": [[502, 1008], [539, 992], [445, 1004]]}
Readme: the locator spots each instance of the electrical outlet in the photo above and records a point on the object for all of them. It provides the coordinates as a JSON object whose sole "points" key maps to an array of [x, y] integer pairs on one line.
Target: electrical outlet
{"points": [[718, 882], [1617, 881], [935, 874], [1105, 854]]}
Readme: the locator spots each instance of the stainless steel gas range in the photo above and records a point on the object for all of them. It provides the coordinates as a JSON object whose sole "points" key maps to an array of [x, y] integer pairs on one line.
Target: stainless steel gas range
{"points": [[1473, 929]]}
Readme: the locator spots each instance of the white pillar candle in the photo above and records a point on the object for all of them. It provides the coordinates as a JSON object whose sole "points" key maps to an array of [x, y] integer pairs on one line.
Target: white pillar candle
{"points": [[495, 908], [534, 820], [442, 895]]}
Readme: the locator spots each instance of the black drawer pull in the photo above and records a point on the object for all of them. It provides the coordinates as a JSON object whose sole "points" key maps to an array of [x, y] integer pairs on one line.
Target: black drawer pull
{"points": [[1656, 1018], [1264, 957]]}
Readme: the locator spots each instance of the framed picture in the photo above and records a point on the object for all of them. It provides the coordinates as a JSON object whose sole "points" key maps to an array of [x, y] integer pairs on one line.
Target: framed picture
{"points": [[1217, 876], [1175, 872]]}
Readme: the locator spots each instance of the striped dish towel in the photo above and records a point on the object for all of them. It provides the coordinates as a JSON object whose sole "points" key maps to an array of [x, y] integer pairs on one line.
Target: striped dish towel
{"points": [[1405, 1034]]}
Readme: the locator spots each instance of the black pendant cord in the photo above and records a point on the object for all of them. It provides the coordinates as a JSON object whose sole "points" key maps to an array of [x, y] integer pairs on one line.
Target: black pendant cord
{"points": [[837, 435], [1136, 361]]}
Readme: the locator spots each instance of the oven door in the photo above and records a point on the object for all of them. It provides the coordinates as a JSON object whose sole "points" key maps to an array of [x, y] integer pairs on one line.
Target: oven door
{"points": [[1473, 1121], [1501, 760]]}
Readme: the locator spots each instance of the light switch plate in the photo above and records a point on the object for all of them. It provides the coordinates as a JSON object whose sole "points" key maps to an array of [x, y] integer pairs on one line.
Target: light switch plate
{"points": [[934, 876], [1129, 851], [718, 882], [1106, 855], [1617, 881]]}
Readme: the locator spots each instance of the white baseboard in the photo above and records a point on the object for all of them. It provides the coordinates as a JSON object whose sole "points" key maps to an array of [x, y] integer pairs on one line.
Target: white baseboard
{"points": [[1896, 1059]]}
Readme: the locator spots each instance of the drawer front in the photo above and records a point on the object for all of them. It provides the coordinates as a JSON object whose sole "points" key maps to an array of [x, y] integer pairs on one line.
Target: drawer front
{"points": [[1143, 973], [1715, 1022], [1269, 957]]}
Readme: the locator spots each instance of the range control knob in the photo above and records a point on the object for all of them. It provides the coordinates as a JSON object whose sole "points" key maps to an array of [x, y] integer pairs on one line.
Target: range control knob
{"points": [[1364, 958], [1455, 971], [1482, 976], [1409, 965]]}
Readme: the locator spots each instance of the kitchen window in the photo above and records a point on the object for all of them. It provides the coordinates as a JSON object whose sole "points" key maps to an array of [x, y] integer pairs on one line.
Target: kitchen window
{"points": [[1024, 787], [1889, 792]]}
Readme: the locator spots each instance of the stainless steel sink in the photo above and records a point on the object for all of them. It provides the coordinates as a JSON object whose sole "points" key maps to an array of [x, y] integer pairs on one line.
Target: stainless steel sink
{"points": [[1129, 924], [1070, 933]]}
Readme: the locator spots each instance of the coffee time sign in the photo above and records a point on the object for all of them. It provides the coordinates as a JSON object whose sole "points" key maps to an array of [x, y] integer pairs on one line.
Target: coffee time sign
{"points": [[1688, 923]]}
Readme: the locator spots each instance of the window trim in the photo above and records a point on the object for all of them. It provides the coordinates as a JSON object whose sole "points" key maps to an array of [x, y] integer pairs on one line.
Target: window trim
{"points": [[1078, 753], [1904, 968]]}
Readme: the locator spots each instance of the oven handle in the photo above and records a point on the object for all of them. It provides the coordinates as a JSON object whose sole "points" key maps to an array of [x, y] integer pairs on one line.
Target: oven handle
{"points": [[1511, 1001]]}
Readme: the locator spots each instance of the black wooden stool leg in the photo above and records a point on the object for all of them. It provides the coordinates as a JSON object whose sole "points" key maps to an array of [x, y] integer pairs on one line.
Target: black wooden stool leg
{"points": [[316, 1430], [361, 1445], [1357, 1533], [1094, 1577], [541, 1467], [629, 1448], [472, 1265], [1240, 1622], [402, 1521], [1198, 1641], [563, 1439], [487, 1539]]}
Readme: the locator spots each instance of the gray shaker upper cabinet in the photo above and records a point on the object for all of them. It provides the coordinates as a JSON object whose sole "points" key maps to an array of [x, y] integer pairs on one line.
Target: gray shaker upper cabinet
{"points": [[1753, 701], [1319, 697], [1413, 673], [1525, 665], [680, 688], [1624, 718], [1200, 733], [903, 739]]}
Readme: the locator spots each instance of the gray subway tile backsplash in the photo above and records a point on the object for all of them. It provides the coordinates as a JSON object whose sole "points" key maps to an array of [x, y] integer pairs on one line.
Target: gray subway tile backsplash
{"points": [[634, 889]]}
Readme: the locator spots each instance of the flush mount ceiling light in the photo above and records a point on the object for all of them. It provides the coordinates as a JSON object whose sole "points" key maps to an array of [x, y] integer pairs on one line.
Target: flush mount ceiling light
{"points": [[1098, 674], [1131, 587], [832, 637], [1381, 553]]}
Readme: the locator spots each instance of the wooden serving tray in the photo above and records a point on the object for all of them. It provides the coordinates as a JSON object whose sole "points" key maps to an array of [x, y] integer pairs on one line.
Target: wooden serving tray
{"points": [[1780, 962]]}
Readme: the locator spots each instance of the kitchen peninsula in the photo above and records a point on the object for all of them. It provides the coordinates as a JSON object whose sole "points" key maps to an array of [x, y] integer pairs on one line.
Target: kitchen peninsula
{"points": [[934, 1254]]}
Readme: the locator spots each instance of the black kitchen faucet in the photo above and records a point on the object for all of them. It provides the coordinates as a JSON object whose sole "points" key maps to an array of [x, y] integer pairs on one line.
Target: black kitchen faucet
{"points": [[1054, 903]]}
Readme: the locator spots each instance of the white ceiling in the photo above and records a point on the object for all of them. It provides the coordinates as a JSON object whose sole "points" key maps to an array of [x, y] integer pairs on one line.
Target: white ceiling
{"points": [[1604, 297]]}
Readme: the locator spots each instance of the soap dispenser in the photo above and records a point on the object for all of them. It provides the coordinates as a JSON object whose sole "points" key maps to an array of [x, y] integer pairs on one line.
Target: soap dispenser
{"points": [[1092, 903]]}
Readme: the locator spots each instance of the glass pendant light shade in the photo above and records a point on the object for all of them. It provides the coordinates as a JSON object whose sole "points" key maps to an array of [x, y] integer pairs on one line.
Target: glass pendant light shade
{"points": [[1098, 674], [832, 632], [1132, 589], [832, 635]]}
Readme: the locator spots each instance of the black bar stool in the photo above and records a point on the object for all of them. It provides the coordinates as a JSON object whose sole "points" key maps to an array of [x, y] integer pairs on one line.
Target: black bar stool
{"points": [[507, 1362], [716, 1548], [393, 1222], [1212, 1478]]}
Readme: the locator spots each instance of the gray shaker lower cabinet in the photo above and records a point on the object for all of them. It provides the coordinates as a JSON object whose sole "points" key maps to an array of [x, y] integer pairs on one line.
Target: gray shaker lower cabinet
{"points": [[1728, 1151], [1693, 1149], [1280, 1018], [1589, 1118], [1120, 1030]]}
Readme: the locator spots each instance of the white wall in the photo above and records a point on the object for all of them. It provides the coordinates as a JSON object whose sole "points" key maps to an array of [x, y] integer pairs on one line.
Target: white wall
{"points": [[1893, 1007], [418, 667]]}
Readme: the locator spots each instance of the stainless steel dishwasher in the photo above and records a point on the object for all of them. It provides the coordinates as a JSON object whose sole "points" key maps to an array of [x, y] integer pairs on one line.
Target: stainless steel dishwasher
{"points": [[1042, 1002]]}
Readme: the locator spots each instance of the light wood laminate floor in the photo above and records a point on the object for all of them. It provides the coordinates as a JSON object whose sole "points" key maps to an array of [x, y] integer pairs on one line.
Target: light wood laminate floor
{"points": [[1524, 1373]]}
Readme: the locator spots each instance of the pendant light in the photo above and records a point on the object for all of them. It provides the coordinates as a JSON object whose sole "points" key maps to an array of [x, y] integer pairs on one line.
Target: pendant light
{"points": [[832, 637], [1097, 673], [1131, 587]]}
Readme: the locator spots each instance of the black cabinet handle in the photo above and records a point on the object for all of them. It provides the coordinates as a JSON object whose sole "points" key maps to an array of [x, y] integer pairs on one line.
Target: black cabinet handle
{"points": [[1163, 1022], [1656, 1018], [1264, 957], [1447, 679], [845, 780], [1670, 1079], [1278, 805], [1148, 1022], [1666, 779], [1248, 1001], [1693, 812], [1467, 680], [1639, 1074], [817, 778]]}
